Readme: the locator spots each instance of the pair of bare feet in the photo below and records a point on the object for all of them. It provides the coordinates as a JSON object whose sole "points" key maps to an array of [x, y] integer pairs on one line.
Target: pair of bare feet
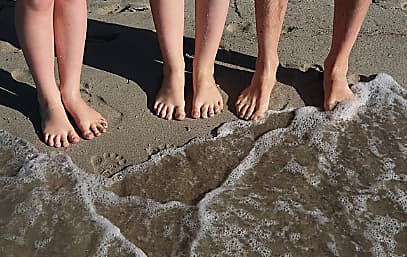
{"points": [[207, 100], [253, 102], [56, 126]]}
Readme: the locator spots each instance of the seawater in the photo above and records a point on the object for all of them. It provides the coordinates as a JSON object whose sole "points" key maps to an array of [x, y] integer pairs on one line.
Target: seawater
{"points": [[299, 183]]}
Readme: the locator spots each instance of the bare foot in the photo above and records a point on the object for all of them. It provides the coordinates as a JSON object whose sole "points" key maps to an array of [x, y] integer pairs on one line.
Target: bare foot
{"points": [[253, 102], [57, 129], [170, 99], [89, 122], [207, 100], [336, 88]]}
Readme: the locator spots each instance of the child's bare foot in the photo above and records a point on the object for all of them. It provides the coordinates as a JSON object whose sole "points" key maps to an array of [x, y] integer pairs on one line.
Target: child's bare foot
{"points": [[207, 100], [253, 101], [336, 88], [89, 122], [57, 129], [170, 99]]}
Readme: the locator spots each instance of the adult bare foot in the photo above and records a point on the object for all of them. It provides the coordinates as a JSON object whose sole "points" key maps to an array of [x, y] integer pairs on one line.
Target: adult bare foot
{"points": [[336, 88], [57, 130], [89, 122], [170, 101], [207, 100], [253, 101]]}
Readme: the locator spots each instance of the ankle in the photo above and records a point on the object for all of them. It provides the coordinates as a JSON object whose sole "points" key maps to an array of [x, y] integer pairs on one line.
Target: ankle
{"points": [[203, 71], [177, 69], [336, 66], [48, 100]]}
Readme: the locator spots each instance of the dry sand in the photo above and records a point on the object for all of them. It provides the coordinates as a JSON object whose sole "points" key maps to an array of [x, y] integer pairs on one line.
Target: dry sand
{"points": [[122, 70]]}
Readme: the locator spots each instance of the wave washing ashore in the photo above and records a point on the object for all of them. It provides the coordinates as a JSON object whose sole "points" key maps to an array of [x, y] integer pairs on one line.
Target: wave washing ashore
{"points": [[300, 183]]}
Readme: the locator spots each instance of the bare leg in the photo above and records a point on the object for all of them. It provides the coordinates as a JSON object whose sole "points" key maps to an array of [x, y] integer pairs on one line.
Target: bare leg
{"points": [[169, 22], [348, 19], [36, 36], [70, 33], [210, 20], [253, 102]]}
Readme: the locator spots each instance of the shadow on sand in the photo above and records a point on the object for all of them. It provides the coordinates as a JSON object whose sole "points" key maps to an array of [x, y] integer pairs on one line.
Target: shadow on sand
{"points": [[133, 53]]}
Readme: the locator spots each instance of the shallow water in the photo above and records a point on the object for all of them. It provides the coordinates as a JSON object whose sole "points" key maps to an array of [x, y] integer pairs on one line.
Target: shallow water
{"points": [[301, 183]]}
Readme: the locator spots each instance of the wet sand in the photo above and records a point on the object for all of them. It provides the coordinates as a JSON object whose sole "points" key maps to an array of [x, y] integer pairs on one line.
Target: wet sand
{"points": [[121, 75], [122, 72]]}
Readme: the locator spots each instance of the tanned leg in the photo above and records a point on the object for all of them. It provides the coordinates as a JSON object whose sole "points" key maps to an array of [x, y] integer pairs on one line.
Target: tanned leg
{"points": [[210, 21], [70, 33], [36, 36], [169, 22], [253, 102], [348, 19]]}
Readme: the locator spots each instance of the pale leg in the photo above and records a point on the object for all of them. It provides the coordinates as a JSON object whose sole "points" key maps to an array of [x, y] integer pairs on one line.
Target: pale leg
{"points": [[70, 33], [169, 22], [35, 32], [210, 20], [348, 19], [253, 102]]}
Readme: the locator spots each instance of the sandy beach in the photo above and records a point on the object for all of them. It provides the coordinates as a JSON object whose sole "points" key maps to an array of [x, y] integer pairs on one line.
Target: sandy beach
{"points": [[122, 70], [122, 73]]}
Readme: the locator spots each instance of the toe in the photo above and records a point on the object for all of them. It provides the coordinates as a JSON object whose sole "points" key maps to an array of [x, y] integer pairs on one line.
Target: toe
{"points": [[46, 137], [179, 113], [220, 104], [204, 111], [156, 104], [329, 105], [217, 108], [159, 108], [242, 111], [260, 111], [73, 137], [95, 130], [170, 111], [240, 107], [163, 111], [103, 122], [101, 128], [211, 111], [249, 111], [64, 140], [239, 100], [57, 141], [196, 113], [87, 134], [257, 116], [50, 141]]}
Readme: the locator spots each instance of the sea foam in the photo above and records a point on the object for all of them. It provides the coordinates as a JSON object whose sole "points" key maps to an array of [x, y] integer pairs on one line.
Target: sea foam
{"points": [[335, 177]]}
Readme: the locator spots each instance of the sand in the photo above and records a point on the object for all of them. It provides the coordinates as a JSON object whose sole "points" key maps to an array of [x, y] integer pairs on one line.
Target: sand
{"points": [[122, 71]]}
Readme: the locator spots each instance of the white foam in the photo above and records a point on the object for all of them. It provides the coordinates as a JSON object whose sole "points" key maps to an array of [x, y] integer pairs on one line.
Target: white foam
{"points": [[317, 130]]}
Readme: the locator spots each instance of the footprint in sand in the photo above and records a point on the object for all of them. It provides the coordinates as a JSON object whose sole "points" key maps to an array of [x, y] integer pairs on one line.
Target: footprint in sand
{"points": [[108, 164], [113, 115]]}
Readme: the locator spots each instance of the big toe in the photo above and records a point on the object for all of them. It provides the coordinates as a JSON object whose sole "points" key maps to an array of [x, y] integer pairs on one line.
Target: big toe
{"points": [[86, 132], [329, 105], [73, 137], [180, 113]]}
